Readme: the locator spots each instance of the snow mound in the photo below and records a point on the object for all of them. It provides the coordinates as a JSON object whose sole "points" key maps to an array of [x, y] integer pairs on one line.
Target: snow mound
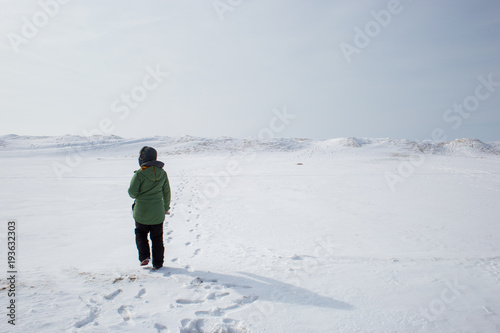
{"points": [[459, 147], [345, 143], [336, 145], [470, 147]]}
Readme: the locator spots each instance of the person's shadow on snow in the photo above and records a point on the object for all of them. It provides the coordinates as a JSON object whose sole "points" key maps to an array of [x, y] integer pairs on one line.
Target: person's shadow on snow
{"points": [[264, 288]]}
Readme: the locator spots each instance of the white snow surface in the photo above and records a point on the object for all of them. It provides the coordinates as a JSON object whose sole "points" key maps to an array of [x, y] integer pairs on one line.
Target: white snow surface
{"points": [[278, 235]]}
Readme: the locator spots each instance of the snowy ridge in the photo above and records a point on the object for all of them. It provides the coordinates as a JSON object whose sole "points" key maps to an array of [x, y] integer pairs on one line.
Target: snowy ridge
{"points": [[172, 146], [197, 145], [468, 146]]}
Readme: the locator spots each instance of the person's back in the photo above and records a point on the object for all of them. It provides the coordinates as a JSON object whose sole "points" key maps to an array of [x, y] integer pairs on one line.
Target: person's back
{"points": [[151, 191]]}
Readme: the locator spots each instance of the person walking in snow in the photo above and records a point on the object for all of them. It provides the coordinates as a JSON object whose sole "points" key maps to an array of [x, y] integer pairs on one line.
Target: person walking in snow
{"points": [[151, 190]]}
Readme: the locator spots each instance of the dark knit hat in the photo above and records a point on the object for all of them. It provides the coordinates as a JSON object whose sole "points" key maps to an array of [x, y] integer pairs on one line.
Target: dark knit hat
{"points": [[147, 154]]}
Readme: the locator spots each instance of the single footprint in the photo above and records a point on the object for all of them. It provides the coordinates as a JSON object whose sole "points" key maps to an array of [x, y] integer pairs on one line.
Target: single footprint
{"points": [[232, 285], [160, 327], [213, 296], [94, 312], [111, 296], [140, 293], [124, 311], [246, 300], [217, 312], [189, 301]]}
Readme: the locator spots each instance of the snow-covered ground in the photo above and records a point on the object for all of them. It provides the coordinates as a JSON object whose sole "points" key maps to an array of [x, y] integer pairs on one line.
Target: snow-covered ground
{"points": [[282, 235]]}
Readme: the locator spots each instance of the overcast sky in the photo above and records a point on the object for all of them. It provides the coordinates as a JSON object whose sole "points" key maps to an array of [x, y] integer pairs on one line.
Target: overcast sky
{"points": [[399, 69]]}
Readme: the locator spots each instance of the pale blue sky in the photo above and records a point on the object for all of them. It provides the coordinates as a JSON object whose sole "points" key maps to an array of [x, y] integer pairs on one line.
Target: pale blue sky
{"points": [[225, 77]]}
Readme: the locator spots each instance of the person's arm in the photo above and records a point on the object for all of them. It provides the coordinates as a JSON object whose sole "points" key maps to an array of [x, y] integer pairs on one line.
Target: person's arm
{"points": [[135, 184], [166, 195]]}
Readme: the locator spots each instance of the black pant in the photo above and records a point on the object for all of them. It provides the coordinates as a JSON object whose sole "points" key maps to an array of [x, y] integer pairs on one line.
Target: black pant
{"points": [[141, 239]]}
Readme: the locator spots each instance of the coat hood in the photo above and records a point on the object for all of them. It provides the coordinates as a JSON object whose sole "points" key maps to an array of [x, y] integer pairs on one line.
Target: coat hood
{"points": [[155, 163], [147, 154], [152, 170]]}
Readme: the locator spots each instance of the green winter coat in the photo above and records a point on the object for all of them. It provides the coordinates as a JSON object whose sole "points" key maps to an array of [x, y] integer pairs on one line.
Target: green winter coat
{"points": [[151, 190]]}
